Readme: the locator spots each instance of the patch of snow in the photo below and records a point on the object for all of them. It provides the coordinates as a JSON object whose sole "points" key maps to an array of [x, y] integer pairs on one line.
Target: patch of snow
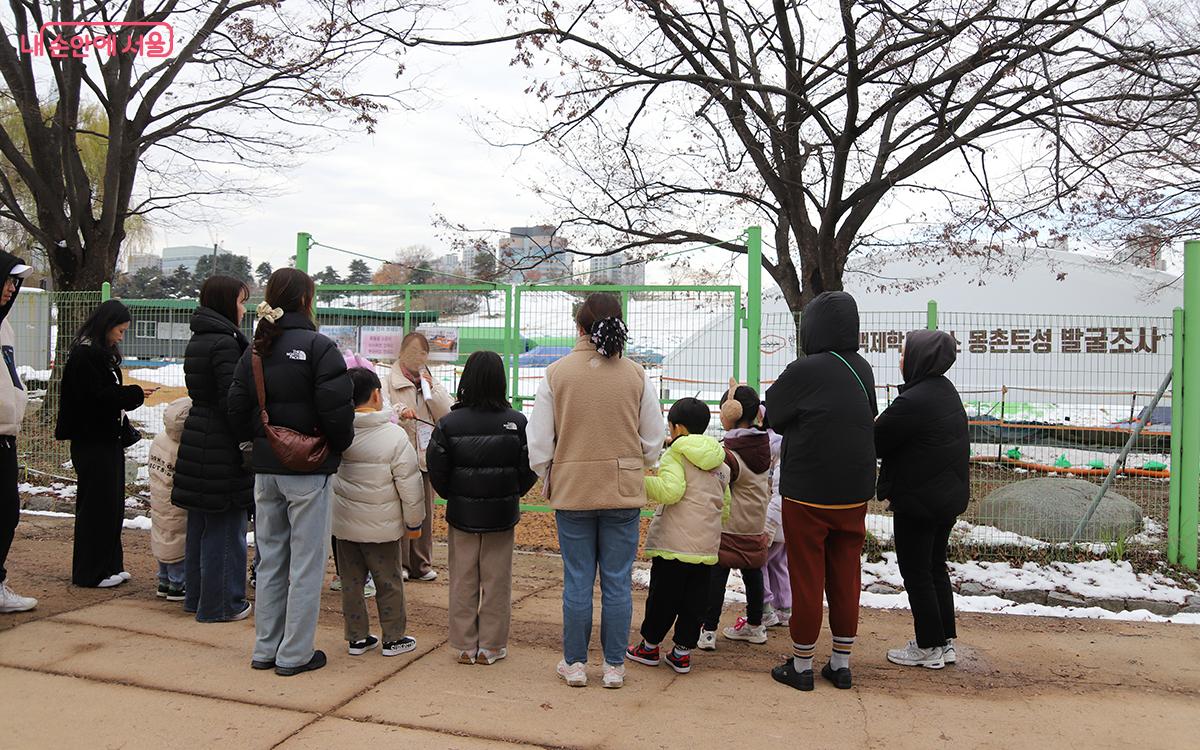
{"points": [[166, 375], [51, 513], [137, 522]]}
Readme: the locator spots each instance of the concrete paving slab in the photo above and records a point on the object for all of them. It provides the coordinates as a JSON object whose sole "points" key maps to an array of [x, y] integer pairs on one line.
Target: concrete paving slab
{"points": [[332, 732]]}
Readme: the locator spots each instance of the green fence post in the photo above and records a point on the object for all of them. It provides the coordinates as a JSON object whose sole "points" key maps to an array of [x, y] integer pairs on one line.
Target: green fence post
{"points": [[1189, 457], [754, 308], [105, 292], [303, 241], [516, 362], [407, 311], [1177, 379], [510, 336], [739, 322], [931, 316]]}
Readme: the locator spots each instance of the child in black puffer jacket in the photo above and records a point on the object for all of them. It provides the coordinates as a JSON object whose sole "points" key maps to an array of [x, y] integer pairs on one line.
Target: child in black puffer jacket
{"points": [[478, 460]]}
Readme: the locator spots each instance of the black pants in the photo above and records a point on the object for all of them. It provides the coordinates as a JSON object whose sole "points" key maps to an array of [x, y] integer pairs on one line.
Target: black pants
{"points": [[677, 594], [752, 578], [10, 500], [99, 510], [921, 553]]}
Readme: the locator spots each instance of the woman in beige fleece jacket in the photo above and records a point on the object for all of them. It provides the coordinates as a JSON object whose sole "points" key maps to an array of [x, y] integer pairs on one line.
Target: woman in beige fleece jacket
{"points": [[595, 427], [408, 384]]}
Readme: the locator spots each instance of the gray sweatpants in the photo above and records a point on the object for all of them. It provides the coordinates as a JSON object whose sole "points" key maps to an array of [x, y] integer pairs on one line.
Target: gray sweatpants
{"points": [[292, 518]]}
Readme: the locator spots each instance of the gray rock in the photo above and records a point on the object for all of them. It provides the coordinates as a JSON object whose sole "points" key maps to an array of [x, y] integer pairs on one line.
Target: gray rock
{"points": [[1191, 609], [1026, 596], [1112, 605], [39, 502], [1059, 599], [1049, 508], [971, 588], [1158, 607], [882, 588], [1192, 600]]}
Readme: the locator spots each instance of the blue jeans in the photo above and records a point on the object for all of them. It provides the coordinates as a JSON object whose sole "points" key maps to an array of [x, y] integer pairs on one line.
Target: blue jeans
{"points": [[292, 516], [216, 565], [591, 539], [172, 574]]}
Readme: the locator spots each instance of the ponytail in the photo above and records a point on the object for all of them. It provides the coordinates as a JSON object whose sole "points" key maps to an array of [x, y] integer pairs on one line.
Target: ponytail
{"points": [[609, 334], [600, 317]]}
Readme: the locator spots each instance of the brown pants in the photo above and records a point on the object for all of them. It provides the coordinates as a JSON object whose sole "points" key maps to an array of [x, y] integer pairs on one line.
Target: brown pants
{"points": [[480, 589], [824, 548], [382, 561], [416, 555]]}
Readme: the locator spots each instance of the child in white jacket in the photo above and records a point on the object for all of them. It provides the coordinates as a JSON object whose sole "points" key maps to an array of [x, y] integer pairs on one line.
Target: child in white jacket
{"points": [[378, 498], [168, 524]]}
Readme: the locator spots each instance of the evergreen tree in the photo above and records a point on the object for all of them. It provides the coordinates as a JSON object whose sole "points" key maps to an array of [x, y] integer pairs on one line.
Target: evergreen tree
{"points": [[263, 273], [360, 272]]}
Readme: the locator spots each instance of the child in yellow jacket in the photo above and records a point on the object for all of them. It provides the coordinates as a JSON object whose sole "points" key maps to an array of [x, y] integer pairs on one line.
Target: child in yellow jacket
{"points": [[692, 492]]}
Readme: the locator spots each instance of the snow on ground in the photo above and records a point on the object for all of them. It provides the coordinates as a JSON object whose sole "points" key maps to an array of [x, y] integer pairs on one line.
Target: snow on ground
{"points": [[998, 605], [165, 375], [28, 373], [58, 489]]}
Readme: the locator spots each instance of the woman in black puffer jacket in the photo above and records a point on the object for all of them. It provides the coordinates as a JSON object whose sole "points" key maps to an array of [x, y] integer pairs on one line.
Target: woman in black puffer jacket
{"points": [[210, 481], [478, 460], [306, 390]]}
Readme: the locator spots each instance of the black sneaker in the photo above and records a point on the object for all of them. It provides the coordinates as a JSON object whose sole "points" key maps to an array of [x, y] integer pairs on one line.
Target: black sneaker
{"points": [[174, 593], [358, 648], [402, 646], [316, 662], [788, 675], [839, 677], [163, 590], [260, 664]]}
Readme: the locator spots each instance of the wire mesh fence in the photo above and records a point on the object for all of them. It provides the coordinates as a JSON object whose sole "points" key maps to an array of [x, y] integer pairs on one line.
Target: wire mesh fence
{"points": [[1046, 395]]}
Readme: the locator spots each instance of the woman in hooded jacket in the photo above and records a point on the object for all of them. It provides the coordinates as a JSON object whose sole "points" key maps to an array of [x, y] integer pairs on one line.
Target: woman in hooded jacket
{"points": [[925, 449], [210, 481]]}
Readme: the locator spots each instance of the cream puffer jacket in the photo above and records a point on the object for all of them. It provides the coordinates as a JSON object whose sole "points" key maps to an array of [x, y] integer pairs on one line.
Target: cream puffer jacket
{"points": [[378, 490], [168, 523]]}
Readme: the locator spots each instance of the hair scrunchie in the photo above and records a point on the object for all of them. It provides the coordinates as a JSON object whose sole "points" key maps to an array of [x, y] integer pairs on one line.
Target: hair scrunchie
{"points": [[608, 335], [268, 313]]}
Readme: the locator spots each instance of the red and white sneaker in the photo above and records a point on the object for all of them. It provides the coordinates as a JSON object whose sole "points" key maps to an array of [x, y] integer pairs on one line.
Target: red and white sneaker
{"points": [[742, 630], [680, 662], [644, 654]]}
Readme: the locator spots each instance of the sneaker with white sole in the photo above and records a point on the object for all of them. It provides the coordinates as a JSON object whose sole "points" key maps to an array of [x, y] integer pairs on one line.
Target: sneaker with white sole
{"points": [[404, 574], [358, 648], [465, 657], [742, 630], [431, 575], [113, 580], [125, 575], [402, 646], [243, 614], [614, 675], [574, 674], [785, 616], [11, 601], [949, 655], [707, 641], [369, 588], [487, 658], [770, 619], [335, 584], [913, 655]]}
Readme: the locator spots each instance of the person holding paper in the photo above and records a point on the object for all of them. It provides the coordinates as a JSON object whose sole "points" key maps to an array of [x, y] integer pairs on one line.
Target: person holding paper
{"points": [[420, 400]]}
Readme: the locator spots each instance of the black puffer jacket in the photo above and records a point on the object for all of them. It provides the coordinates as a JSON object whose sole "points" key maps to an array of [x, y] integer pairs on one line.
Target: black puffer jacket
{"points": [[307, 390], [92, 397], [208, 472], [824, 406], [922, 436], [479, 462]]}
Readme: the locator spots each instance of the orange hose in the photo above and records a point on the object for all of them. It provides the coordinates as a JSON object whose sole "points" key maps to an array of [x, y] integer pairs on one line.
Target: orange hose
{"points": [[1156, 474]]}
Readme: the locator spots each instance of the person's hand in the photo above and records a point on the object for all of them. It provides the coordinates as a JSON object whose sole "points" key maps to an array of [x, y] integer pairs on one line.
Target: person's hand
{"points": [[148, 392], [427, 376], [407, 413]]}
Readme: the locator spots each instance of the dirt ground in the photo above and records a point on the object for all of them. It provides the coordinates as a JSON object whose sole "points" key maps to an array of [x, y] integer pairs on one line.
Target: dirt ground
{"points": [[120, 668]]}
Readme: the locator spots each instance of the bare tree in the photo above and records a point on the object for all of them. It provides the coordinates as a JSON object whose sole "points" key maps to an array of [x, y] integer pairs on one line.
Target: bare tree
{"points": [[960, 124], [244, 83]]}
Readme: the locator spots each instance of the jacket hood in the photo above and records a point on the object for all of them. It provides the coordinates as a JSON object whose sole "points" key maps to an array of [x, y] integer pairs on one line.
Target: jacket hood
{"points": [[703, 451], [208, 320], [8, 262], [368, 419], [927, 354], [829, 324], [175, 415], [752, 446]]}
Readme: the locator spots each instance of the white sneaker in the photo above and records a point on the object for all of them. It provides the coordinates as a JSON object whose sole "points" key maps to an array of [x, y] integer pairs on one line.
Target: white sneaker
{"points": [[770, 619], [11, 601], [125, 576], [465, 657], [113, 580], [487, 658], [335, 584], [948, 654], [369, 589], [913, 655], [614, 675], [430, 576], [574, 674], [785, 616], [742, 630], [404, 574], [243, 614], [708, 640]]}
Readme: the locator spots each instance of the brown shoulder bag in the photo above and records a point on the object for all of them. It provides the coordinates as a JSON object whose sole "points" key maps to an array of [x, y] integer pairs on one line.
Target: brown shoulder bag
{"points": [[295, 450]]}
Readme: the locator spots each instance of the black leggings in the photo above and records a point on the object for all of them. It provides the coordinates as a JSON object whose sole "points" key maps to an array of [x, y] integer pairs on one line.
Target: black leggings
{"points": [[921, 555], [99, 510], [10, 500], [752, 577]]}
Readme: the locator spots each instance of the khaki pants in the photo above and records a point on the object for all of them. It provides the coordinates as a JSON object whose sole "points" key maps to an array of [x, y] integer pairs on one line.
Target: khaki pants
{"points": [[356, 559], [416, 555], [480, 589]]}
